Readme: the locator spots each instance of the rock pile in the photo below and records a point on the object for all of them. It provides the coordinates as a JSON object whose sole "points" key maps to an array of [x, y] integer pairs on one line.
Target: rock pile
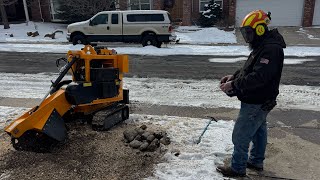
{"points": [[145, 140]]}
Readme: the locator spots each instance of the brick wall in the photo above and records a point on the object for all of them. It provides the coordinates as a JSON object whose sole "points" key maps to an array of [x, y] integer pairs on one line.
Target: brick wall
{"points": [[195, 12], [123, 4], [176, 11], [45, 10], [181, 11], [232, 12], [186, 20], [158, 4], [308, 13]]}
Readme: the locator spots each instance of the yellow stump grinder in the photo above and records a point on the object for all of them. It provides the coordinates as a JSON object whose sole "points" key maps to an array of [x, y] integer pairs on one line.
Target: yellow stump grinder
{"points": [[94, 94]]}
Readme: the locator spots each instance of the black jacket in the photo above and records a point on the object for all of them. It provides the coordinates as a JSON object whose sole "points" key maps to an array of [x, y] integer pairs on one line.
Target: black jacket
{"points": [[258, 80]]}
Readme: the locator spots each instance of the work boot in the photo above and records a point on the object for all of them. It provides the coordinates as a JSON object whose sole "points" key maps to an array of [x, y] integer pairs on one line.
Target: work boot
{"points": [[229, 172], [254, 167]]}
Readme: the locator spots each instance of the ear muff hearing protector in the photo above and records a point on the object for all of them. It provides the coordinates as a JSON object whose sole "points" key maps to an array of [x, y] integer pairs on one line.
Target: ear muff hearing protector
{"points": [[260, 30]]}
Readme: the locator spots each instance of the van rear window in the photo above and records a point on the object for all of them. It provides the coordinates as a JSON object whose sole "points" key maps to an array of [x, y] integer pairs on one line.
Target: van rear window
{"points": [[144, 17]]}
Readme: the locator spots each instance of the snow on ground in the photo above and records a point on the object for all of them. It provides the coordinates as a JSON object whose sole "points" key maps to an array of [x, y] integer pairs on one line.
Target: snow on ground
{"points": [[177, 92], [196, 161], [7, 114], [19, 32], [211, 35], [164, 51]]}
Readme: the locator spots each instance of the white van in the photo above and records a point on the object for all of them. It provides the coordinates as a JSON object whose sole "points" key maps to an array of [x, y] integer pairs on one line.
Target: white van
{"points": [[148, 27]]}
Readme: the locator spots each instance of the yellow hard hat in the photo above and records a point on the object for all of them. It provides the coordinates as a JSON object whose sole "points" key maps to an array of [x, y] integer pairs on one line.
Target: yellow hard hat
{"points": [[254, 18], [254, 23]]}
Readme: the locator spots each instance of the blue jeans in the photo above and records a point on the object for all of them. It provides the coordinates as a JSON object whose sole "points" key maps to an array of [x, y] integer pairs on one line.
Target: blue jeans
{"points": [[250, 126]]}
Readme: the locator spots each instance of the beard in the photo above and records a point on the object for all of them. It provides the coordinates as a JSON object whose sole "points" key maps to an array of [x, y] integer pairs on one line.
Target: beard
{"points": [[257, 41], [255, 44]]}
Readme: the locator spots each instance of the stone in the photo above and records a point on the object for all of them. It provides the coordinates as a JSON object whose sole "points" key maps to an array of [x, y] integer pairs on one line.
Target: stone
{"points": [[175, 152], [138, 137], [150, 138], [130, 134], [145, 135], [144, 146], [159, 134], [153, 145], [144, 127], [140, 131], [135, 144], [165, 140]]}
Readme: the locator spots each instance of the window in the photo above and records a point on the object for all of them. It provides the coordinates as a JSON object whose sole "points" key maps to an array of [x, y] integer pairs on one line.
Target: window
{"points": [[144, 17], [140, 4], [100, 19], [55, 6], [115, 19], [202, 3]]}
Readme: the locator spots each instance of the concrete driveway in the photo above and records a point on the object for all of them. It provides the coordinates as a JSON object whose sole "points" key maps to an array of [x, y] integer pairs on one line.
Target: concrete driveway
{"points": [[294, 36]]}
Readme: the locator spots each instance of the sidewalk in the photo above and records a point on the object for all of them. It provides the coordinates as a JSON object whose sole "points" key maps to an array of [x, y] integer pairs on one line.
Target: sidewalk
{"points": [[294, 36]]}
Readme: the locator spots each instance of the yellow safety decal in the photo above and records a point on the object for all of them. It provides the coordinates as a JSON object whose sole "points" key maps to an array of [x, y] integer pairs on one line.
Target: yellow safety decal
{"points": [[258, 22], [260, 14], [248, 21], [87, 84], [260, 30]]}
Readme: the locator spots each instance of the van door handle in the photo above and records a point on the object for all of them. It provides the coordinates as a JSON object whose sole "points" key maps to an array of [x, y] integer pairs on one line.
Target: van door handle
{"points": [[108, 27]]}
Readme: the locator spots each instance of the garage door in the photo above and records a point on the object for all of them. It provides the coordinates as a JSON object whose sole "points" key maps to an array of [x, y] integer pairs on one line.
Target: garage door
{"points": [[316, 15], [283, 12]]}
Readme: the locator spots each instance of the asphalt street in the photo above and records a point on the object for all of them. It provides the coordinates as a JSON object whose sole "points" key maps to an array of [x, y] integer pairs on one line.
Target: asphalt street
{"points": [[177, 67]]}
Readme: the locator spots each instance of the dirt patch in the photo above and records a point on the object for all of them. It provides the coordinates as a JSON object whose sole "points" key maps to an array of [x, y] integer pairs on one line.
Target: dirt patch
{"points": [[87, 154]]}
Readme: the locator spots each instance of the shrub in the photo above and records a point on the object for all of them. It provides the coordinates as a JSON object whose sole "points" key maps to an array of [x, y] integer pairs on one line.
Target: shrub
{"points": [[211, 15]]}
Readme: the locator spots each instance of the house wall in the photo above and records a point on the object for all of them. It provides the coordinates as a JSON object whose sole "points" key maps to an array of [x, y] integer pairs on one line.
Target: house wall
{"points": [[158, 4], [186, 11], [44, 13], [308, 12], [195, 12], [123, 4]]}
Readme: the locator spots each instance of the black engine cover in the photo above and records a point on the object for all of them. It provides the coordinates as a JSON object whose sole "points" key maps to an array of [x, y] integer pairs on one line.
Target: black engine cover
{"points": [[104, 84], [82, 93]]}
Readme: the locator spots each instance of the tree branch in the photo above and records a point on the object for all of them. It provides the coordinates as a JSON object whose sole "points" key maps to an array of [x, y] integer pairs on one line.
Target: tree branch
{"points": [[9, 2]]}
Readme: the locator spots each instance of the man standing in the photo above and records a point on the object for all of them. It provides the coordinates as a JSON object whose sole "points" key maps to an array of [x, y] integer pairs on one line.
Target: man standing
{"points": [[256, 85]]}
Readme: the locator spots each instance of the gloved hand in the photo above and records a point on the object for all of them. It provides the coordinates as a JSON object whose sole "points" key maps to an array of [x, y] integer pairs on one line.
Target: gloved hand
{"points": [[226, 87], [226, 79]]}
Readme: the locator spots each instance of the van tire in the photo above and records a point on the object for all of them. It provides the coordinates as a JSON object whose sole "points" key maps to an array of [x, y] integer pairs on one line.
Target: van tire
{"points": [[79, 39], [149, 40]]}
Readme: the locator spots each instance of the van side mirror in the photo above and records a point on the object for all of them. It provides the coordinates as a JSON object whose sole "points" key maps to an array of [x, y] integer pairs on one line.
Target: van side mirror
{"points": [[90, 23]]}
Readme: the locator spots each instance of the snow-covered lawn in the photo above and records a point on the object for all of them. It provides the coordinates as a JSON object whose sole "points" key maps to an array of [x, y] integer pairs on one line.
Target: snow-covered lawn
{"points": [[19, 32], [177, 92], [195, 35]]}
